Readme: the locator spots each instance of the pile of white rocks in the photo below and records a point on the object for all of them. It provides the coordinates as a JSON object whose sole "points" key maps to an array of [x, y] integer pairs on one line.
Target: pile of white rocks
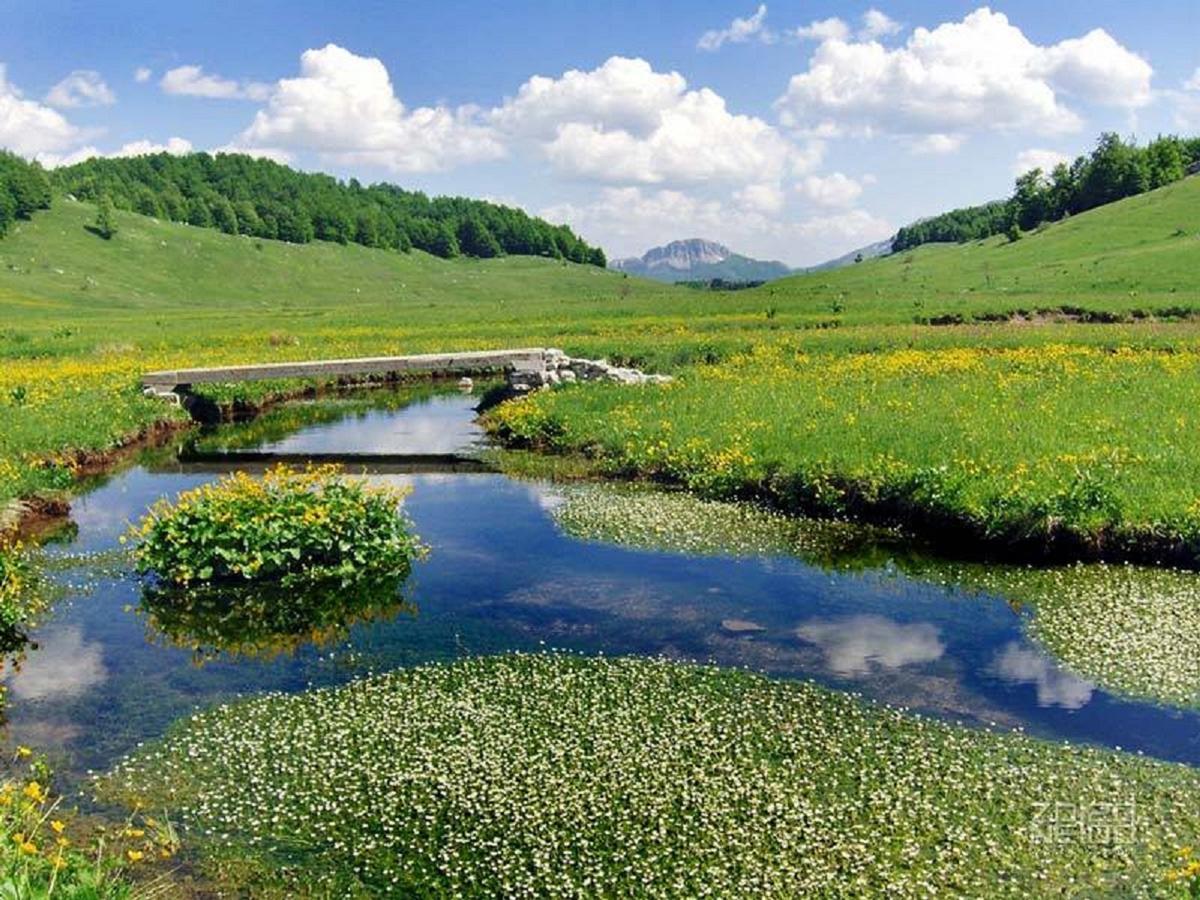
{"points": [[558, 368]]}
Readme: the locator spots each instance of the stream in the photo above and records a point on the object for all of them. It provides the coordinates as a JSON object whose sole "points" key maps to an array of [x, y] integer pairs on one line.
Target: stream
{"points": [[503, 576]]}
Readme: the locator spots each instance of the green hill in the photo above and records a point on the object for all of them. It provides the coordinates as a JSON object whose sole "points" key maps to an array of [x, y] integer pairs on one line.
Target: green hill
{"points": [[1138, 256], [168, 284]]}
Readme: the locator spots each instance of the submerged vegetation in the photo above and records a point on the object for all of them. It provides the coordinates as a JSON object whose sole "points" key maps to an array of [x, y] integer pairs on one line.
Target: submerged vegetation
{"points": [[290, 527], [1132, 629], [652, 519], [541, 776]]}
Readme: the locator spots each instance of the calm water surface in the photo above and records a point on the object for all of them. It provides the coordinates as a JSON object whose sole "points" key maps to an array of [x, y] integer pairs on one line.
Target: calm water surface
{"points": [[502, 576]]}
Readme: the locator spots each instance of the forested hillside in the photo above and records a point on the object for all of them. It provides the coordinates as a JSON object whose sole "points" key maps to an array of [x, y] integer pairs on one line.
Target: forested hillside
{"points": [[24, 188], [239, 194], [1113, 170]]}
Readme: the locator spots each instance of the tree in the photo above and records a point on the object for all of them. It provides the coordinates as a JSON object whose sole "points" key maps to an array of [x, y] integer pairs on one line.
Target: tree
{"points": [[1164, 161], [198, 213], [146, 203], [442, 242], [247, 219], [271, 200], [106, 223], [8, 209], [1031, 199], [224, 216], [474, 239]]}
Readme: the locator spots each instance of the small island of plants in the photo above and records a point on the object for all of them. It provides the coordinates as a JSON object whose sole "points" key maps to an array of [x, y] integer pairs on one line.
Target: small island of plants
{"points": [[290, 527]]}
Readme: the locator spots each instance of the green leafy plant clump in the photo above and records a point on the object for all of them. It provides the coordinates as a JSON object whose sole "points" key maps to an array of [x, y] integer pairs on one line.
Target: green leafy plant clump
{"points": [[289, 527]]}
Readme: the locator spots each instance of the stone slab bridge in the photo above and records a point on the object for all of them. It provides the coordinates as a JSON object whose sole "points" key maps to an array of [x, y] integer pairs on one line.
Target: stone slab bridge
{"points": [[526, 369]]}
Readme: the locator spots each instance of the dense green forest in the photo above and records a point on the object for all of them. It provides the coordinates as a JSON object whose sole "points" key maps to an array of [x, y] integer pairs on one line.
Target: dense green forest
{"points": [[1113, 170], [239, 194], [24, 188]]}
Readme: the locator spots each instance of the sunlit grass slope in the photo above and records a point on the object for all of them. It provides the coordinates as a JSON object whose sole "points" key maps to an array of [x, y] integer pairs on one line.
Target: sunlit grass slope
{"points": [[1136, 256]]}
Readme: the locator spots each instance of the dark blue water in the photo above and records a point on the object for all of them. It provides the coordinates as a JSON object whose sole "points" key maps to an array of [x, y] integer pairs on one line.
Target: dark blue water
{"points": [[502, 576]]}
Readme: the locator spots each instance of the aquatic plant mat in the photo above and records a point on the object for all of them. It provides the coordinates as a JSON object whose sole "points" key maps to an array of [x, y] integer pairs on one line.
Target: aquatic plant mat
{"points": [[555, 775], [651, 518], [1133, 629]]}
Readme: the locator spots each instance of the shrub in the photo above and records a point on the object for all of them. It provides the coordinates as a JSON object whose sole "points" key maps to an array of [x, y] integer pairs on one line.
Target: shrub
{"points": [[290, 527]]}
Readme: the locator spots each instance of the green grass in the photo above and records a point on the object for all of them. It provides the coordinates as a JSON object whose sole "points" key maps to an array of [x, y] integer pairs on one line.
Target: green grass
{"points": [[821, 391], [559, 776], [1134, 257], [1063, 449], [83, 317]]}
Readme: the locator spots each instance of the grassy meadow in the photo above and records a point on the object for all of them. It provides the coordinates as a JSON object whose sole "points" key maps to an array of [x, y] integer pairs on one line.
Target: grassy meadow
{"points": [[1054, 407], [83, 317]]}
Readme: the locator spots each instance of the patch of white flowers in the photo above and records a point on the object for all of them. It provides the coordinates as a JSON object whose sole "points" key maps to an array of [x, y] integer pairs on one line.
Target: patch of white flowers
{"points": [[557, 776], [1132, 629], [657, 519]]}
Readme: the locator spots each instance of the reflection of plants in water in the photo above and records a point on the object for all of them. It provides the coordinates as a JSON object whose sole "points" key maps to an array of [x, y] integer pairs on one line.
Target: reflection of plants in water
{"points": [[260, 566], [290, 527], [264, 621], [25, 594], [655, 519]]}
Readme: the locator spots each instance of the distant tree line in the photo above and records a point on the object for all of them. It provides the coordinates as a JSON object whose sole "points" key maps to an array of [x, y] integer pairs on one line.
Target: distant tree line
{"points": [[24, 188], [1113, 170], [239, 194], [720, 284]]}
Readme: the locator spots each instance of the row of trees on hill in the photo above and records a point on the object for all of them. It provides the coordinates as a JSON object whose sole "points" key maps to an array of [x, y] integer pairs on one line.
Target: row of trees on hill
{"points": [[1113, 170], [239, 194], [24, 188]]}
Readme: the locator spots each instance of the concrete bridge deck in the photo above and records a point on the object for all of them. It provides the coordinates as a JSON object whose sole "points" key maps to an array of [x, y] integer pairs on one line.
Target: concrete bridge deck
{"points": [[533, 359]]}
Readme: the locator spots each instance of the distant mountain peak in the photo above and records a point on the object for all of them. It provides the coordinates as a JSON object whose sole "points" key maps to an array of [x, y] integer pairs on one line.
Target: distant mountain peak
{"points": [[699, 259], [687, 254]]}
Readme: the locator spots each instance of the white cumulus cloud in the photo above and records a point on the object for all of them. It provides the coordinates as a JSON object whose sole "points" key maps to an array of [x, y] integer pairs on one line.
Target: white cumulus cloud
{"points": [[1037, 158], [82, 87], [31, 128], [628, 220], [937, 144], [979, 74], [751, 28], [343, 107], [142, 74], [831, 29], [833, 190], [174, 145], [876, 25], [766, 199], [193, 81], [625, 123]]}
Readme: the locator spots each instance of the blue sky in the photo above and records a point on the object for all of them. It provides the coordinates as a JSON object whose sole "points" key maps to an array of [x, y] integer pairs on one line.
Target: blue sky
{"points": [[790, 130]]}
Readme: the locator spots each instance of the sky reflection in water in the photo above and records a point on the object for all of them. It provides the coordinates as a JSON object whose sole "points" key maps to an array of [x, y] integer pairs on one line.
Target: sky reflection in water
{"points": [[502, 576]]}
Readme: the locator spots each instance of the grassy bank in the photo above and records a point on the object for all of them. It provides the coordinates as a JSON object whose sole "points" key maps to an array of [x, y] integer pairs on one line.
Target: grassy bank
{"points": [[558, 776], [1059, 449]]}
